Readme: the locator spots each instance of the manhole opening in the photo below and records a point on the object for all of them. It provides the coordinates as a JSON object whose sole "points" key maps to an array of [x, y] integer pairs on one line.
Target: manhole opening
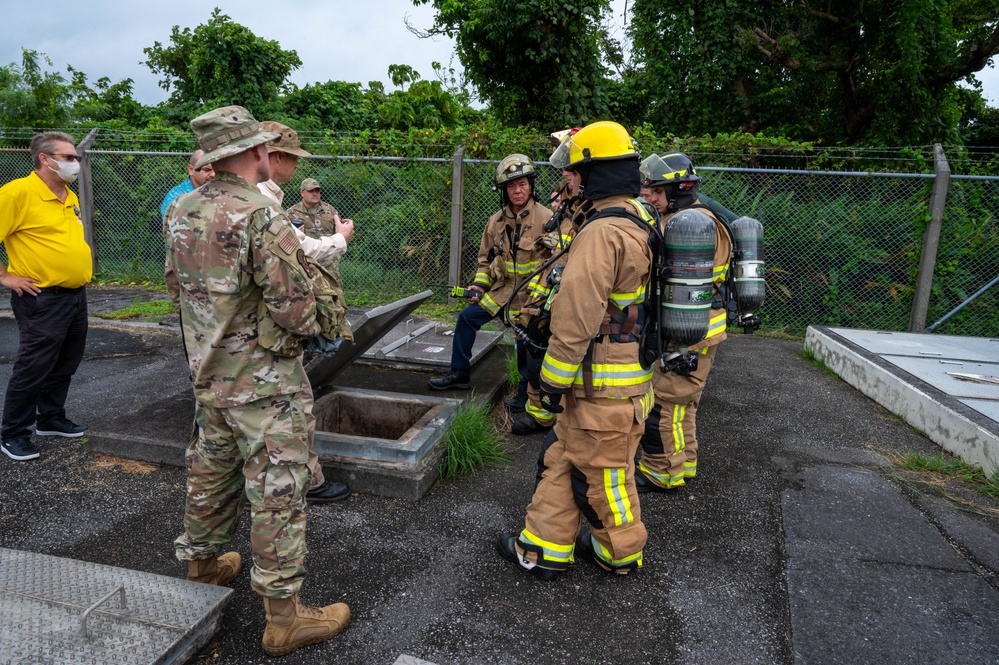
{"points": [[368, 415]]}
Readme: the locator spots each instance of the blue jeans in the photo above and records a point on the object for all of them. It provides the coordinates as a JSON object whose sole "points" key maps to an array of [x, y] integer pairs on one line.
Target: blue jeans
{"points": [[470, 320]]}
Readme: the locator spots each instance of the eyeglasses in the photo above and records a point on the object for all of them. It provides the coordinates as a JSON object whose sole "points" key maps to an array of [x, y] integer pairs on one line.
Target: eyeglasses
{"points": [[69, 157]]}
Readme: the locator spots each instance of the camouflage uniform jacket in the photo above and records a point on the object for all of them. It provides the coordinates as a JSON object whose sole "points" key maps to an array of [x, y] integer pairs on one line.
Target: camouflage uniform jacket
{"points": [[508, 254], [723, 254], [608, 267], [316, 221], [235, 269]]}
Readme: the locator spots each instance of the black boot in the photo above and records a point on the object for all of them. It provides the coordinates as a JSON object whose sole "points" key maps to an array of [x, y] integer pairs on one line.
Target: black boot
{"points": [[507, 548], [645, 486], [527, 425], [517, 403], [453, 380]]}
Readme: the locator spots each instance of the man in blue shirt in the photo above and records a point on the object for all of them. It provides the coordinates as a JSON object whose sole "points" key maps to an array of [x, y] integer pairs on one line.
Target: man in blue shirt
{"points": [[195, 178]]}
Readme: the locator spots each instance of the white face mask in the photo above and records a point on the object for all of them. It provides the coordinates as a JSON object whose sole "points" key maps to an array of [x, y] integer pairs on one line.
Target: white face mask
{"points": [[68, 171]]}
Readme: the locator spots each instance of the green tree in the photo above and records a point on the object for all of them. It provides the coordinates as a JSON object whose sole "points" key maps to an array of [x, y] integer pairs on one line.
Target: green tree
{"points": [[533, 61], [334, 105], [33, 97], [881, 71], [220, 63]]}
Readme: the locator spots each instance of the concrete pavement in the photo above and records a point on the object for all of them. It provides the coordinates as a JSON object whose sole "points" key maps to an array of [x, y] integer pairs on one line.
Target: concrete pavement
{"points": [[797, 543]]}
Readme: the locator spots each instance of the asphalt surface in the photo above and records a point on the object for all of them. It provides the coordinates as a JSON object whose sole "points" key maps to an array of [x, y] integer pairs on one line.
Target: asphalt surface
{"points": [[797, 542]]}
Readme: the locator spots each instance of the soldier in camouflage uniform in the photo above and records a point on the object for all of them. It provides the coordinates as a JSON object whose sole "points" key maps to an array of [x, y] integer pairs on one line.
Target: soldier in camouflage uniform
{"points": [[317, 219], [236, 270]]}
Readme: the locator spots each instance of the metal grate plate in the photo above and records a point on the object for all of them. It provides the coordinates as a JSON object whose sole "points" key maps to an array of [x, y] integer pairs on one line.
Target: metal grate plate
{"points": [[42, 600]]}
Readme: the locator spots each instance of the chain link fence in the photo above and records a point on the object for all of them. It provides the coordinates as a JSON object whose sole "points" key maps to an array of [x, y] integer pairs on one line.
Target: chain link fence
{"points": [[842, 248]]}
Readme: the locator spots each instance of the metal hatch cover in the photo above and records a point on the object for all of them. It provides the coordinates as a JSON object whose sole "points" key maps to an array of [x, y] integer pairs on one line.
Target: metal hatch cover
{"points": [[367, 330], [63, 611]]}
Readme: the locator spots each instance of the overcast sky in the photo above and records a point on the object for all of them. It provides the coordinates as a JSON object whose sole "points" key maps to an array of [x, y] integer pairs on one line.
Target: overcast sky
{"points": [[335, 39]]}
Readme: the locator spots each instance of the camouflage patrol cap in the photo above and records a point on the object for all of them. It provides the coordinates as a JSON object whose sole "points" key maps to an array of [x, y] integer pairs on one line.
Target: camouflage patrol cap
{"points": [[289, 141], [309, 184], [227, 131]]}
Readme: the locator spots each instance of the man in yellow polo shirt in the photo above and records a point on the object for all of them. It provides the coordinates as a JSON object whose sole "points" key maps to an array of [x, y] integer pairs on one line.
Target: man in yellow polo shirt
{"points": [[49, 265]]}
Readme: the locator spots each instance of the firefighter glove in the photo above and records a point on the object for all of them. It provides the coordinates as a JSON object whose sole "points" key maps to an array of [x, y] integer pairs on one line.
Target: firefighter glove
{"points": [[550, 402]]}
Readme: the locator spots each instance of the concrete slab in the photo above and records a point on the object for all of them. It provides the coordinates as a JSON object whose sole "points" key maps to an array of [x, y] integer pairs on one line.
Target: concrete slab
{"points": [[389, 434], [871, 581], [66, 612], [907, 374]]}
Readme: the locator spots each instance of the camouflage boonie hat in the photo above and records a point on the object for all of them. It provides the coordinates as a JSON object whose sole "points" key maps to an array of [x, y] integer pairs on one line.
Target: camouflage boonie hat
{"points": [[309, 184], [227, 131], [289, 141]]}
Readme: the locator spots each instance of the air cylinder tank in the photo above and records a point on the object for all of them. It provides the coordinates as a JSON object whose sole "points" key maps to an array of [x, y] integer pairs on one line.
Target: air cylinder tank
{"points": [[750, 286], [689, 261]]}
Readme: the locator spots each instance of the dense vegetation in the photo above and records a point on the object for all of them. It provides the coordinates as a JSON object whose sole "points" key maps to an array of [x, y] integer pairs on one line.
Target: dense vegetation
{"points": [[712, 79]]}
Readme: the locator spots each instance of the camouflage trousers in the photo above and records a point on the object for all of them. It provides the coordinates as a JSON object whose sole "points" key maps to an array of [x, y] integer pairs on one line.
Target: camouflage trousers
{"points": [[253, 453]]}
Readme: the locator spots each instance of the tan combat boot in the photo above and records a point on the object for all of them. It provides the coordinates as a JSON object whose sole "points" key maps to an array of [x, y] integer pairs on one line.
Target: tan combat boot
{"points": [[291, 626], [217, 570]]}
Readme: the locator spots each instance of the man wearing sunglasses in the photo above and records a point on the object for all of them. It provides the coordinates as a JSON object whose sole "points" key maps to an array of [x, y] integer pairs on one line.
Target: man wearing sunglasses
{"points": [[49, 265], [195, 179]]}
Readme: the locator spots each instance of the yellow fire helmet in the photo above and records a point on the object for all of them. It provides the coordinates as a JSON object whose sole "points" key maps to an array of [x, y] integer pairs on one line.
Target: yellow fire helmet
{"points": [[600, 141]]}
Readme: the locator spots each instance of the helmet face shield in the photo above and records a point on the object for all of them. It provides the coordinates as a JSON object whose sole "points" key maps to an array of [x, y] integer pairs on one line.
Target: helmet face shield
{"points": [[560, 158], [667, 168]]}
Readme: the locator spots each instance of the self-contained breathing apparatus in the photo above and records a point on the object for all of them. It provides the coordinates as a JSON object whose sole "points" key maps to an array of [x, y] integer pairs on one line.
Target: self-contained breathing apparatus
{"points": [[682, 288]]}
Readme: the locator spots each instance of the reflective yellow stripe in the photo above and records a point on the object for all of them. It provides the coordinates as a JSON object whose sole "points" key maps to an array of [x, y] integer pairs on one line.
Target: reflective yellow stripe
{"points": [[689, 468], [717, 325], [483, 279], [606, 557], [617, 496], [663, 479], [538, 414], [487, 303], [549, 551], [604, 375], [648, 401], [720, 273], [537, 288], [677, 426], [521, 268], [558, 373], [622, 300]]}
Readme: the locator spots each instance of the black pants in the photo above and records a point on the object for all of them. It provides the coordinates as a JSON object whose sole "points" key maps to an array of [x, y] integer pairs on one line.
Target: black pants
{"points": [[53, 333]]}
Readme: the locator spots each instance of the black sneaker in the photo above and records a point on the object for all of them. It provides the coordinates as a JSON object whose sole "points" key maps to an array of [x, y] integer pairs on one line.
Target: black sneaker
{"points": [[60, 427], [453, 380], [19, 449]]}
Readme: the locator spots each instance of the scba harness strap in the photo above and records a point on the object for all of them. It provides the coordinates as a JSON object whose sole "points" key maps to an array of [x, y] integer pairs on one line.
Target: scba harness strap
{"points": [[627, 324]]}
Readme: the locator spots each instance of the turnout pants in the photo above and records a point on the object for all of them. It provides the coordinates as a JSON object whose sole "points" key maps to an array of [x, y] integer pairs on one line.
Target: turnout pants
{"points": [[533, 406], [587, 468], [255, 453], [669, 443], [52, 329]]}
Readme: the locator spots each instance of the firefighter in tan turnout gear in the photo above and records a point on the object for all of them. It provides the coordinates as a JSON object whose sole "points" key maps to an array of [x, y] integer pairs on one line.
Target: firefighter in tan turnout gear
{"points": [[507, 255], [592, 365], [535, 314], [669, 444]]}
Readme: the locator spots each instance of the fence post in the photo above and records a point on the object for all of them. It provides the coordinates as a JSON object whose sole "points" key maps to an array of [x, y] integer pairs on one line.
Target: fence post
{"points": [[931, 241], [457, 214], [87, 194]]}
